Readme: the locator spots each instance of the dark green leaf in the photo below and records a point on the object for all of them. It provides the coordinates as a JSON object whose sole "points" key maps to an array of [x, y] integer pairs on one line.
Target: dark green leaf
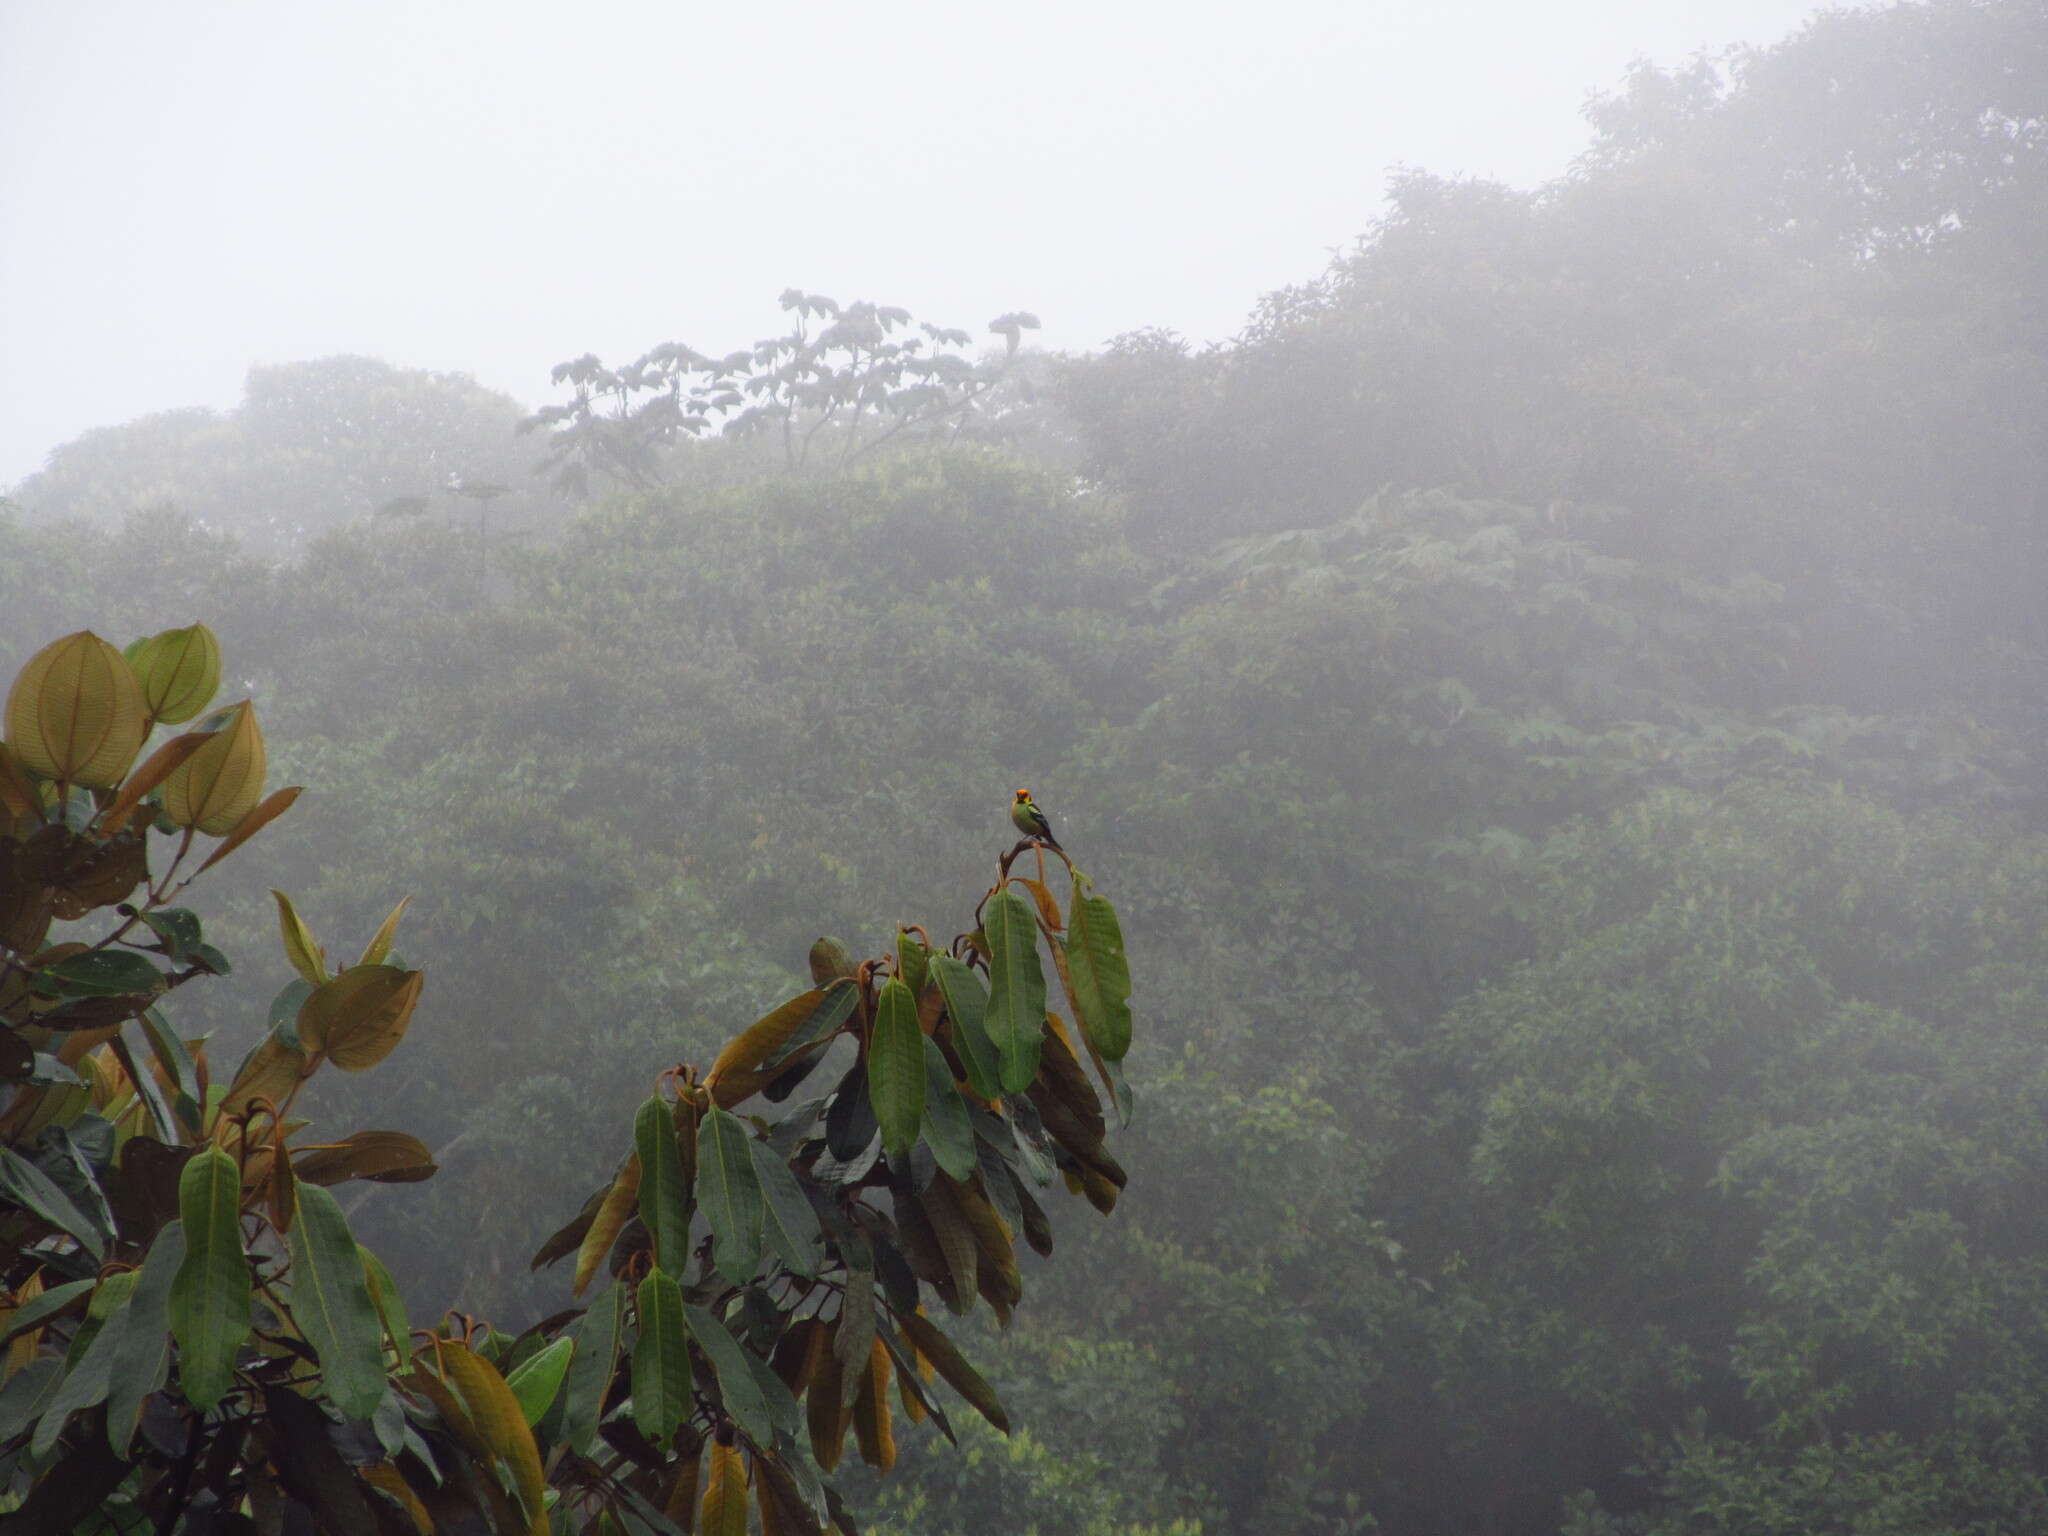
{"points": [[946, 1128], [1016, 996], [143, 1361], [832, 1011], [789, 1224], [850, 1122], [1101, 975], [854, 1336], [967, 1006], [590, 1368], [177, 928], [896, 1067], [44, 1307], [88, 1370], [29, 1187], [210, 1297], [951, 1365], [105, 973], [331, 1304], [661, 1359], [664, 1202], [913, 960], [737, 1388], [729, 1193]]}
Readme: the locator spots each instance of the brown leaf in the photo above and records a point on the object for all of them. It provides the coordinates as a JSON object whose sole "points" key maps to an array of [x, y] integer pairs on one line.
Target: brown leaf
{"points": [[384, 1157]]}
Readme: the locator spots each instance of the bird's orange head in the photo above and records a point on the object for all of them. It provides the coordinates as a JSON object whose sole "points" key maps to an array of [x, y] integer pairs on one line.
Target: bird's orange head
{"points": [[1023, 795]]}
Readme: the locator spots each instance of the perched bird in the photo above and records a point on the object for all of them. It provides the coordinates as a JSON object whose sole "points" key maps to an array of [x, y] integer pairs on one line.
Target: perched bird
{"points": [[1031, 820]]}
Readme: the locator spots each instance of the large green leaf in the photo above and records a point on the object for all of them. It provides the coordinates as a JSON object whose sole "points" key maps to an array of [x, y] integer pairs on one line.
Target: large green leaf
{"points": [[953, 1366], [332, 1305], [43, 1307], [209, 1308], [88, 1371], [661, 1359], [105, 973], [1101, 975], [947, 1130], [664, 1201], [737, 1384], [790, 1225], [896, 1068], [28, 1186], [144, 1359], [967, 1006], [590, 1369], [730, 1194], [1016, 988], [539, 1377], [390, 1305]]}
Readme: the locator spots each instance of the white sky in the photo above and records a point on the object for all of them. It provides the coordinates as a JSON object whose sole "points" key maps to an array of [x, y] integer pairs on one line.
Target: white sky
{"points": [[496, 185]]}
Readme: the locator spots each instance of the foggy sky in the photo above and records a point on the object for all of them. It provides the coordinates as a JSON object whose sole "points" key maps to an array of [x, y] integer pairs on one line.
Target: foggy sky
{"points": [[493, 187]]}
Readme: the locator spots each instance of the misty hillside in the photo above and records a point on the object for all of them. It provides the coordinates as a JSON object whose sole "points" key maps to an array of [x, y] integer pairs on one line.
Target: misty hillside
{"points": [[1558, 699]]}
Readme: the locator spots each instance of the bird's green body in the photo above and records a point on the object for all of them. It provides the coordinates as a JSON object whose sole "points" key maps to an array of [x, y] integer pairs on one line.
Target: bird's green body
{"points": [[1030, 820]]}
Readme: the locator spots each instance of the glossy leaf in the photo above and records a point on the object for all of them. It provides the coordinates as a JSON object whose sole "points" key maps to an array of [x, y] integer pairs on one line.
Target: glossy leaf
{"points": [[76, 713], [209, 1308], [1016, 996], [730, 1194], [896, 1068], [106, 973], [332, 1305], [661, 1359]]}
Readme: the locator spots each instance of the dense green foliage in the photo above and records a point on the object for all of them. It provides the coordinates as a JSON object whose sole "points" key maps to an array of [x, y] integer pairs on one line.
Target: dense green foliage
{"points": [[1562, 696]]}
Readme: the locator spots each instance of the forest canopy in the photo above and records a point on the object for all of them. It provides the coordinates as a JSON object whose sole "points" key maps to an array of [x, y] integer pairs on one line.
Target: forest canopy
{"points": [[1561, 694]]}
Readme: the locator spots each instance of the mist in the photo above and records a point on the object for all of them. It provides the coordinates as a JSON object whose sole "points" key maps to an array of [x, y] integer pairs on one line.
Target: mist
{"points": [[1511, 543]]}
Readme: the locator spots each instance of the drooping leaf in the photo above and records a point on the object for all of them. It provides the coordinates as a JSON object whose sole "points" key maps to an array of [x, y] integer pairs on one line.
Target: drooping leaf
{"points": [[896, 1067], [730, 1194], [390, 1305], [300, 948], [76, 713], [850, 1121], [383, 1157], [854, 1332], [143, 1361], [497, 1417], [789, 1224], [598, 1333], [209, 1307], [272, 808], [539, 1377], [42, 1307], [764, 1041], [834, 1006], [332, 1305], [664, 1201], [725, 1494], [22, 1182], [619, 1203], [737, 1387], [661, 1359], [1016, 997], [1101, 975], [952, 1366], [967, 1005], [946, 1130]]}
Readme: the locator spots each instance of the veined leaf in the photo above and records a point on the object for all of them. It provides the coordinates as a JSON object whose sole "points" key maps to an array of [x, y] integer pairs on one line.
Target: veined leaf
{"points": [[590, 1368], [28, 1186], [358, 1018], [604, 1227], [738, 1388], [1101, 975], [179, 671], [790, 1224], [41, 1308], [539, 1377], [953, 1367], [896, 1067], [89, 1368], [383, 1157], [209, 1306], [730, 1194], [664, 1199], [661, 1359], [218, 786], [913, 960], [306, 956], [835, 1005], [769, 1038], [967, 1006], [495, 1413], [76, 712], [143, 1361], [725, 1494], [264, 814], [332, 1305], [947, 1130], [1016, 996]]}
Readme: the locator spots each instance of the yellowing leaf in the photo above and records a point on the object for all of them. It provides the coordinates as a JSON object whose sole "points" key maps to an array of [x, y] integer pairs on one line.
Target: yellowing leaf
{"points": [[385, 1478], [219, 785], [306, 956], [179, 671], [495, 1411], [251, 824], [380, 946], [623, 1200], [75, 712], [762, 1039], [725, 1494], [270, 1072], [358, 1018], [157, 767]]}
